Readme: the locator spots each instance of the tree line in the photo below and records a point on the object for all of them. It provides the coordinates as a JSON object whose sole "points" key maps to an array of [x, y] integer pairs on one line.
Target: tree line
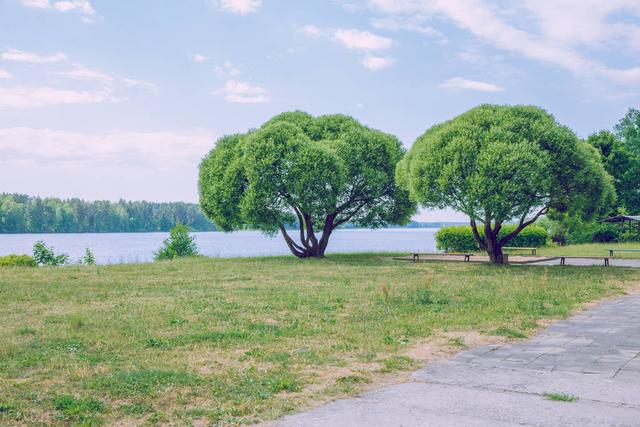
{"points": [[503, 166], [20, 213]]}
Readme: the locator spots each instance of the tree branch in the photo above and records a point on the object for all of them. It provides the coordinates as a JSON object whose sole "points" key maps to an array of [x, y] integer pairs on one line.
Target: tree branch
{"points": [[522, 225], [348, 217], [479, 240]]}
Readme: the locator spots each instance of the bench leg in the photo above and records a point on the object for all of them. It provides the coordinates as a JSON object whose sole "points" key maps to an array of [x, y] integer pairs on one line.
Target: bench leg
{"points": [[561, 261]]}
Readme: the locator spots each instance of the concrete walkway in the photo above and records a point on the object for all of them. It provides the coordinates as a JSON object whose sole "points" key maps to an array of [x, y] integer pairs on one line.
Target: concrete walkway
{"points": [[594, 356]]}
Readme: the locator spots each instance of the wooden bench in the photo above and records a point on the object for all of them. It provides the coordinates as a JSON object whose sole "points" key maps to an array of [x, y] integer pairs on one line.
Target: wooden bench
{"points": [[513, 248], [467, 257], [611, 251], [563, 258]]}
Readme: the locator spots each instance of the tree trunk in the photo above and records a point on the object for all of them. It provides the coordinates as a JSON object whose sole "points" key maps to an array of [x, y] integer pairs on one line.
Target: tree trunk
{"points": [[310, 246], [495, 252], [492, 245]]}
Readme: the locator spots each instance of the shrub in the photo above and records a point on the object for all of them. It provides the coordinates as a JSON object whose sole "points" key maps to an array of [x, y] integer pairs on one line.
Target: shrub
{"points": [[14, 260], [179, 244], [43, 255], [88, 258], [460, 238]]}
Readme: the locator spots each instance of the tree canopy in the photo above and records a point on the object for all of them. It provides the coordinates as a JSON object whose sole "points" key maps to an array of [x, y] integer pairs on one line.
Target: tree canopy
{"points": [[628, 131], [315, 172], [20, 213], [499, 164], [623, 164]]}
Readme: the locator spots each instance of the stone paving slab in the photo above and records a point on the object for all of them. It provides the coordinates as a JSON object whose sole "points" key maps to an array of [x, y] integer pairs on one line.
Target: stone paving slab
{"points": [[594, 356]]}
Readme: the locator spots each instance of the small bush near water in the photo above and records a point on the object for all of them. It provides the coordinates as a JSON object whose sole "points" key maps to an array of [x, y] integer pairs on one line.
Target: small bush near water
{"points": [[17, 261], [44, 255], [460, 238], [179, 244], [88, 258]]}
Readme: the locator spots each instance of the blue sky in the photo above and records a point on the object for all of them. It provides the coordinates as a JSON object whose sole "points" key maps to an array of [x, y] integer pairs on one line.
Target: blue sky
{"points": [[107, 99]]}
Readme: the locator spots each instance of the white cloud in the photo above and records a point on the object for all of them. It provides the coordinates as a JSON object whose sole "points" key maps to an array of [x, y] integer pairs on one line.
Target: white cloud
{"points": [[243, 93], [28, 97], [376, 63], [586, 22], [563, 24], [5, 74], [82, 6], [458, 84], [82, 73], [226, 70], [163, 150], [414, 24], [196, 57], [242, 7], [32, 58], [361, 40], [36, 4]]}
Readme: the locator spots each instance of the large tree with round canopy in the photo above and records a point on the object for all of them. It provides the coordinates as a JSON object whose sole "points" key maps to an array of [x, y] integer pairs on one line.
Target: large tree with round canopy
{"points": [[501, 164], [304, 176]]}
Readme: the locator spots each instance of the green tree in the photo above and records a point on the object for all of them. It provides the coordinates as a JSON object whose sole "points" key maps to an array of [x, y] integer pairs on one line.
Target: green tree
{"points": [[179, 244], [312, 173], [623, 165], [499, 164], [23, 214], [628, 130]]}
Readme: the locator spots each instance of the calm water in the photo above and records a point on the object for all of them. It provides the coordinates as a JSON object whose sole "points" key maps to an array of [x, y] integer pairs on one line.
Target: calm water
{"points": [[139, 247]]}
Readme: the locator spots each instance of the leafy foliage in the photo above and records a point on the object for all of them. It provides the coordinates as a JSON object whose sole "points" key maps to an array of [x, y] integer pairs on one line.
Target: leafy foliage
{"points": [[20, 213], [461, 239], [17, 261], [628, 130], [571, 230], [44, 255], [88, 258], [179, 244], [500, 163], [315, 172], [622, 162]]}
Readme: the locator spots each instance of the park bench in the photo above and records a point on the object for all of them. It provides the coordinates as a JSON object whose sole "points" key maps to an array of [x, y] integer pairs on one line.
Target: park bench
{"points": [[467, 257], [513, 248], [611, 251], [563, 258]]}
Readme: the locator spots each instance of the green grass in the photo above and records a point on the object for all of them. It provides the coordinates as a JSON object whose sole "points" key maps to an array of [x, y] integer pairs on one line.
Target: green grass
{"points": [[561, 397], [233, 341]]}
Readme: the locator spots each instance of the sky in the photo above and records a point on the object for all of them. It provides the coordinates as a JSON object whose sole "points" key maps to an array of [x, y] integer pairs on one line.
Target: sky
{"points": [[104, 99]]}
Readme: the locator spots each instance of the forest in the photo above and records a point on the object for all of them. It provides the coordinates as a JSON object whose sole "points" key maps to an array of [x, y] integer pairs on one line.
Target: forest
{"points": [[20, 213]]}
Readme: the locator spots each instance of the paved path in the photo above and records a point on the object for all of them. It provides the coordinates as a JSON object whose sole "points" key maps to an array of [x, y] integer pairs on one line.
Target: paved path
{"points": [[614, 262], [594, 356]]}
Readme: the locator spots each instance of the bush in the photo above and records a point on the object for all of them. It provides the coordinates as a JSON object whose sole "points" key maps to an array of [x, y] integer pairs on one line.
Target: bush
{"points": [[88, 258], [43, 255], [14, 260], [460, 238], [179, 244]]}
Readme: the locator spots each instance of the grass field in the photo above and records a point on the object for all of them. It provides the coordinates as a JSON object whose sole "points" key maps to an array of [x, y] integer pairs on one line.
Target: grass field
{"points": [[232, 341]]}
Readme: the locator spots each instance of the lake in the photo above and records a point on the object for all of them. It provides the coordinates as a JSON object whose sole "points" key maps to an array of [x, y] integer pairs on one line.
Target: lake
{"points": [[111, 248]]}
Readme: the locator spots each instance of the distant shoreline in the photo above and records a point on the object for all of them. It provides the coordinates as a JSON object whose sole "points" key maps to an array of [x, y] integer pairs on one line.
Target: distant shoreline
{"points": [[412, 225]]}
